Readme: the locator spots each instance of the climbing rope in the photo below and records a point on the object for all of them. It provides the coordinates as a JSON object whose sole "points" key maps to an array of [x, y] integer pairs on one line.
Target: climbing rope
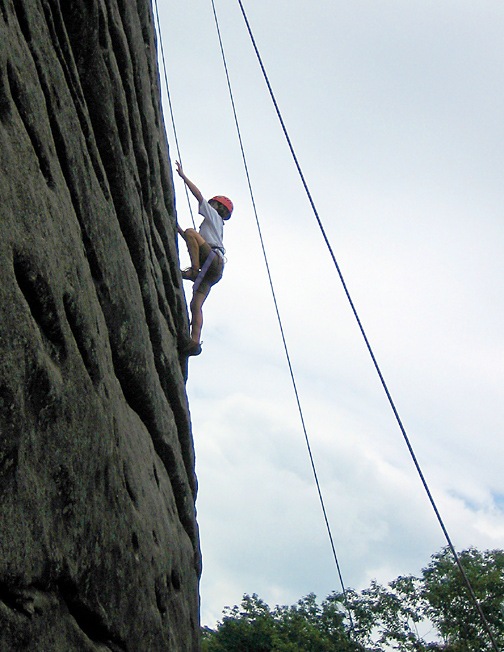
{"points": [[279, 319], [167, 87], [363, 333], [347, 293]]}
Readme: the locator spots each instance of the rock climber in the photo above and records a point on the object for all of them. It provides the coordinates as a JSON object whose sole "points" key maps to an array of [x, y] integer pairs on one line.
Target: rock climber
{"points": [[206, 251]]}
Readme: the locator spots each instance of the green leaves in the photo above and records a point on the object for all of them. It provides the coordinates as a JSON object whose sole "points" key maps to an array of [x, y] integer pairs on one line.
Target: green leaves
{"points": [[303, 627], [399, 616], [449, 605]]}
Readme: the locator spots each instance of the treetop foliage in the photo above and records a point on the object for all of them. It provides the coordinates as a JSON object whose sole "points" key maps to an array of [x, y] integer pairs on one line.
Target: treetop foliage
{"points": [[418, 614]]}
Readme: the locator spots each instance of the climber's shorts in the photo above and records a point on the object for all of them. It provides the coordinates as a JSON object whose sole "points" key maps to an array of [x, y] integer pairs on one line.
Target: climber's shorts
{"points": [[214, 272]]}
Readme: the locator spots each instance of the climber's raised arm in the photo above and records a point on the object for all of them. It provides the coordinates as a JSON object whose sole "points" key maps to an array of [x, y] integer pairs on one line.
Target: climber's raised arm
{"points": [[193, 188]]}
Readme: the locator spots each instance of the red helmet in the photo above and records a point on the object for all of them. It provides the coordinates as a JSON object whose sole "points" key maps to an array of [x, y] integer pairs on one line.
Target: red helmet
{"points": [[224, 201]]}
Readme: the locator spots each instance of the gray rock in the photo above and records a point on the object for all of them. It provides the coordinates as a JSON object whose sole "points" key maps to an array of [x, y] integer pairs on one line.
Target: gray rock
{"points": [[99, 544]]}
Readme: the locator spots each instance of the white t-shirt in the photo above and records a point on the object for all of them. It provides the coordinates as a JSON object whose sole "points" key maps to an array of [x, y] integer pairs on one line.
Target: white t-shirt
{"points": [[212, 227]]}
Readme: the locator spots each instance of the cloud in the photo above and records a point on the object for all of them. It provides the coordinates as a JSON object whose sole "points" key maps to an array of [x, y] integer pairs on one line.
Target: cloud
{"points": [[396, 113]]}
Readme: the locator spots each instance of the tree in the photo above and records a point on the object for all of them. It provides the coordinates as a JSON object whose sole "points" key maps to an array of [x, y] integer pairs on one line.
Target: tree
{"points": [[303, 627], [387, 618], [249, 629], [383, 618], [449, 605], [392, 617], [312, 627]]}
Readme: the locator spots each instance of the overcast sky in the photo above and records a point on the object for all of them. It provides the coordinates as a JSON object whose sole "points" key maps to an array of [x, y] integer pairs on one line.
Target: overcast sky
{"points": [[396, 113]]}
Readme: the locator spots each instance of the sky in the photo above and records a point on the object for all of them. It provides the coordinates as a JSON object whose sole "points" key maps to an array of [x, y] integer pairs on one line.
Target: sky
{"points": [[395, 111]]}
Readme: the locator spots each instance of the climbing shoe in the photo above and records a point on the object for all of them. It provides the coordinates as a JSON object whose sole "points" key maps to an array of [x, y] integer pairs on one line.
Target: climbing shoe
{"points": [[191, 348], [190, 274]]}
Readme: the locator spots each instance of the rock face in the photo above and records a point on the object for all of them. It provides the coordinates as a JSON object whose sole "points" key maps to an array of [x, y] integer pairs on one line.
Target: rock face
{"points": [[98, 537]]}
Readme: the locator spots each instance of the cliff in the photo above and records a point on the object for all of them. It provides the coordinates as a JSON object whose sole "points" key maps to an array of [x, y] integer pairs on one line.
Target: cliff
{"points": [[98, 537]]}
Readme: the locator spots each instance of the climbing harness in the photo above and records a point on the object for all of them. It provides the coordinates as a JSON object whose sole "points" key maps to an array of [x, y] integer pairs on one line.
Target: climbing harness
{"points": [[208, 261]]}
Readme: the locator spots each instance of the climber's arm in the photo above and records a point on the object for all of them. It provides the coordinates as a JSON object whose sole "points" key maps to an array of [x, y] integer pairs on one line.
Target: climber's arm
{"points": [[194, 189]]}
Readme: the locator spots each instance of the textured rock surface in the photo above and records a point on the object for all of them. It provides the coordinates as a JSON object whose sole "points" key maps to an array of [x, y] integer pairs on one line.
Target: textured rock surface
{"points": [[98, 537]]}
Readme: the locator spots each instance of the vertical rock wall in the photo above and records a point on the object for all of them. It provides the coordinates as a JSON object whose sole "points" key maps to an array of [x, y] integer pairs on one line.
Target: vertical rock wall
{"points": [[98, 538]]}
